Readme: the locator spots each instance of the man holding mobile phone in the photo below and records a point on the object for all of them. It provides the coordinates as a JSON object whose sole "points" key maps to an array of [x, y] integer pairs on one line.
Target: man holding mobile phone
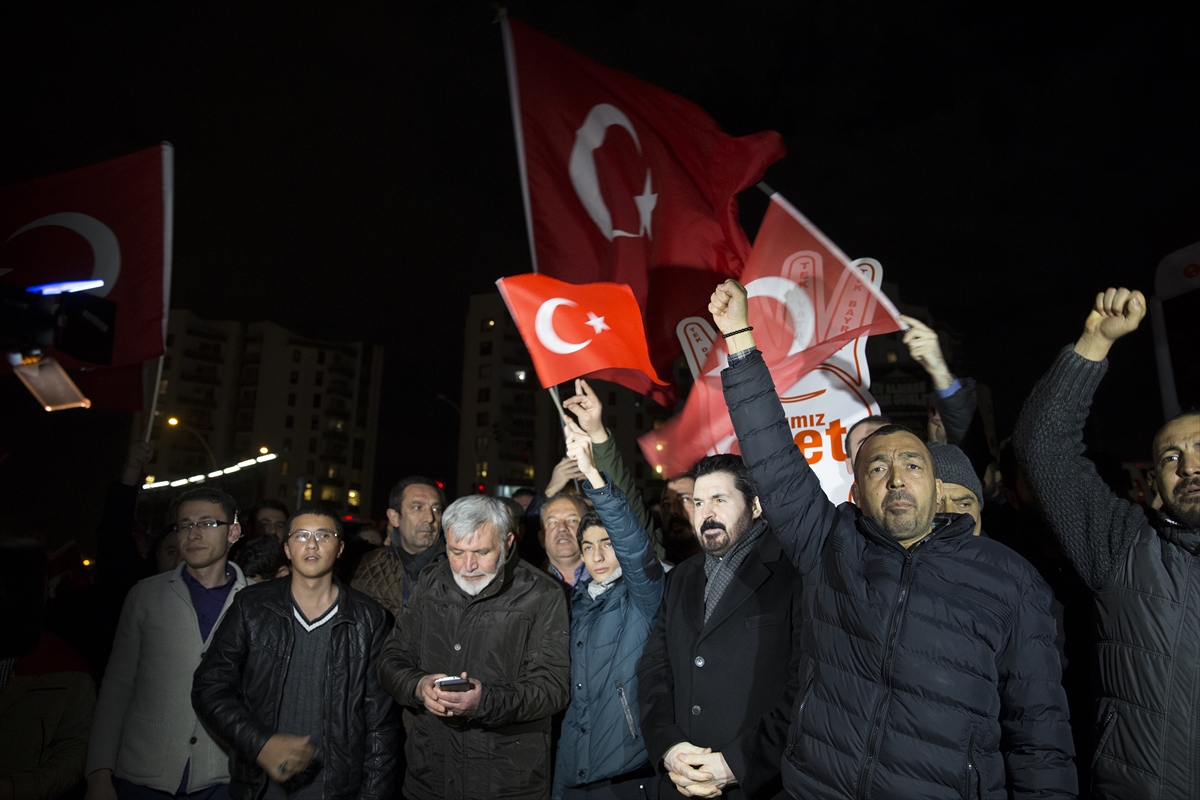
{"points": [[290, 681], [480, 656]]}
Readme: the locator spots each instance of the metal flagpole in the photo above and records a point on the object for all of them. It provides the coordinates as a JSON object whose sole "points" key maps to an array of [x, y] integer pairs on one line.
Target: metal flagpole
{"points": [[154, 399]]}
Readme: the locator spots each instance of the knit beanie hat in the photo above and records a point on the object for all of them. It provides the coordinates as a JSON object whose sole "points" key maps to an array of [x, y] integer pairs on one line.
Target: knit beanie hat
{"points": [[953, 466]]}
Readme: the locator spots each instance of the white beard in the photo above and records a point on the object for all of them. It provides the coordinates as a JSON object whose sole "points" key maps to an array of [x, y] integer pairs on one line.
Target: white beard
{"points": [[475, 587]]}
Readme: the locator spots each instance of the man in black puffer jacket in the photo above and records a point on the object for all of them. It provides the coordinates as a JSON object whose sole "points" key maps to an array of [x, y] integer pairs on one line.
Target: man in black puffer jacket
{"points": [[289, 681], [928, 666], [1145, 573]]}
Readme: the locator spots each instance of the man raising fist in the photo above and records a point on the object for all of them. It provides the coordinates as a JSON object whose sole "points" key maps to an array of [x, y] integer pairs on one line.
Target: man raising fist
{"points": [[1143, 570]]}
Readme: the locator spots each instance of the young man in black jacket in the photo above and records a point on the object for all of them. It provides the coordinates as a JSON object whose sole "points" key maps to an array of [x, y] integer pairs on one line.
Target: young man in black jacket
{"points": [[289, 681], [928, 666]]}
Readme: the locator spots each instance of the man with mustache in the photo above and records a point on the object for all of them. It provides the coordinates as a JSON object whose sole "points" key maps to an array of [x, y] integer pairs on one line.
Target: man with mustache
{"points": [[928, 666], [388, 574], [486, 617], [718, 676], [1143, 568]]}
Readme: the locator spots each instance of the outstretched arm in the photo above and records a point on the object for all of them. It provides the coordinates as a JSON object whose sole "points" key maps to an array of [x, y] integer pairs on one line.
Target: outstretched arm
{"points": [[790, 493], [1094, 526]]}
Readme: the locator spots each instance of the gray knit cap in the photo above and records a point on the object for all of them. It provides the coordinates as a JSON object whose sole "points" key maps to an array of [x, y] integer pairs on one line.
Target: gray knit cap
{"points": [[953, 466]]}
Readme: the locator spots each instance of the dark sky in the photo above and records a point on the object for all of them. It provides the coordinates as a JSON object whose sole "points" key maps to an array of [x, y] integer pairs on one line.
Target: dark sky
{"points": [[348, 170]]}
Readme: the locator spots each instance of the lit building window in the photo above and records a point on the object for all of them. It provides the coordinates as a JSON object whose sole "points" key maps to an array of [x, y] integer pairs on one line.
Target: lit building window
{"points": [[487, 324], [520, 375], [308, 491], [480, 469], [331, 494], [352, 497], [892, 356], [283, 468]]}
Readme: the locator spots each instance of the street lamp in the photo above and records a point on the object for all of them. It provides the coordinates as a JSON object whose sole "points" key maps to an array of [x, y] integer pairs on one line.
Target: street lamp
{"points": [[175, 423]]}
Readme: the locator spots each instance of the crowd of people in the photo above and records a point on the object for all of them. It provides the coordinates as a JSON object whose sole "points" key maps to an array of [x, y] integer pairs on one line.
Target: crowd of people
{"points": [[972, 625]]}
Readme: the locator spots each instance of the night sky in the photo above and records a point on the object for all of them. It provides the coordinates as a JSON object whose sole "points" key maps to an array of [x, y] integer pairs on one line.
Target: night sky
{"points": [[349, 170]]}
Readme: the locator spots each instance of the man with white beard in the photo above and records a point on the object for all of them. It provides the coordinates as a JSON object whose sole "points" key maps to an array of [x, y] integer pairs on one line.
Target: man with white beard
{"points": [[480, 657]]}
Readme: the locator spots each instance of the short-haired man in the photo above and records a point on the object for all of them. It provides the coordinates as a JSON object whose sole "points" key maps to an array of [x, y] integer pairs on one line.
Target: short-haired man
{"points": [[485, 616], [290, 683], [269, 518], [261, 559], [146, 739], [388, 574], [928, 652], [560, 538], [1142, 568], [719, 673], [858, 432]]}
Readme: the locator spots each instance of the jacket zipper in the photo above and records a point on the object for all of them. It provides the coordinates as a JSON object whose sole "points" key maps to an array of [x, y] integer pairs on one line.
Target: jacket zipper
{"points": [[873, 744], [625, 707], [972, 773]]}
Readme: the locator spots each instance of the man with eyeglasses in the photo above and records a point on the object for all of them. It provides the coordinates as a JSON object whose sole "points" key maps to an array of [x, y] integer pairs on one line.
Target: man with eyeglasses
{"points": [[146, 741], [290, 682]]}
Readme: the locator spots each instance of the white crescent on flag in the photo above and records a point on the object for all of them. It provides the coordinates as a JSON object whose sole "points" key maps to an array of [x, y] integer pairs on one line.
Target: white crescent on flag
{"points": [[544, 325]]}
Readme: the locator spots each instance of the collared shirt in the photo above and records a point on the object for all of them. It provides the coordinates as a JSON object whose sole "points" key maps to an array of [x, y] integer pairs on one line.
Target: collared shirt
{"points": [[208, 602], [580, 573]]}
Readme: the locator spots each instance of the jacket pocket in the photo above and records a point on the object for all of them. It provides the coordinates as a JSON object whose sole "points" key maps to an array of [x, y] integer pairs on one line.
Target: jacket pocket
{"points": [[1108, 721], [144, 742], [625, 708], [797, 718], [974, 786], [763, 620]]}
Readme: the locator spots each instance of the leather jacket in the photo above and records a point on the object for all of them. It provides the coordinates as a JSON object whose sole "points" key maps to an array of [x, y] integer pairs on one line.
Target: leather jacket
{"points": [[239, 684]]}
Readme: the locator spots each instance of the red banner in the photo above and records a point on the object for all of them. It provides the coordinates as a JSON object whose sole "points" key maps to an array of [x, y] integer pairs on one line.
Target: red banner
{"points": [[806, 301], [628, 183], [110, 221], [573, 330]]}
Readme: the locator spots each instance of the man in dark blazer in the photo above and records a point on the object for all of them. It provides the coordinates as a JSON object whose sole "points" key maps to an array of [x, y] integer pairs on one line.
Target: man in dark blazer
{"points": [[719, 673]]}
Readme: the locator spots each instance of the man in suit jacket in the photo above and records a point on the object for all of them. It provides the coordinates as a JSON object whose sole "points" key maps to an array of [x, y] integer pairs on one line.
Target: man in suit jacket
{"points": [[719, 673]]}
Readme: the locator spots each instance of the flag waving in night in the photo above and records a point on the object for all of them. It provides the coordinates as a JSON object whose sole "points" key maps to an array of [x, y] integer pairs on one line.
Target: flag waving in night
{"points": [[628, 183], [574, 330]]}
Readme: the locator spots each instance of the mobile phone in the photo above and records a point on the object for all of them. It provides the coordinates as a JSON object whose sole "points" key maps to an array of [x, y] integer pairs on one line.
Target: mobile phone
{"points": [[452, 684]]}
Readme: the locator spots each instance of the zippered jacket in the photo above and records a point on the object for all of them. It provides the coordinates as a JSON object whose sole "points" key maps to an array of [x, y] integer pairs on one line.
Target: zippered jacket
{"points": [[1146, 578], [929, 672], [602, 732], [239, 684], [512, 638]]}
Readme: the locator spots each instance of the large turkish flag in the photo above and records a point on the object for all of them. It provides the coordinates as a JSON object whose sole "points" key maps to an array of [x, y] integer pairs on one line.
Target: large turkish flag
{"points": [[573, 330], [627, 183], [111, 221], [806, 301]]}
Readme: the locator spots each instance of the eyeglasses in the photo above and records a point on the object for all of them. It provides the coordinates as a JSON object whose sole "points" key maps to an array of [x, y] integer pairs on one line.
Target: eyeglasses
{"points": [[322, 536], [203, 525]]}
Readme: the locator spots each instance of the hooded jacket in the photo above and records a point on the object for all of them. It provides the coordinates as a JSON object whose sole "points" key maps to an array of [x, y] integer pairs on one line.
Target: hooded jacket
{"points": [[929, 672]]}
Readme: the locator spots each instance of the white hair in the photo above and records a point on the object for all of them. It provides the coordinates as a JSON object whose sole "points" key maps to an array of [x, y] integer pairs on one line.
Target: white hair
{"points": [[466, 515]]}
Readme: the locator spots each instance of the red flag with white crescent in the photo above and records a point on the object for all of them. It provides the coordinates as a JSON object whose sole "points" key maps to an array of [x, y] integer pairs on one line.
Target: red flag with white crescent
{"points": [[573, 330], [806, 301], [628, 183]]}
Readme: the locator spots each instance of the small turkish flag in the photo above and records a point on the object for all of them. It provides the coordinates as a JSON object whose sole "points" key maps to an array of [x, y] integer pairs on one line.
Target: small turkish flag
{"points": [[806, 300], [626, 182], [575, 330]]}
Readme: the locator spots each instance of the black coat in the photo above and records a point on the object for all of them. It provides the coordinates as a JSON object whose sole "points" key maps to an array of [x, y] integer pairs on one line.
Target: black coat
{"points": [[729, 683], [929, 672], [512, 638], [239, 683]]}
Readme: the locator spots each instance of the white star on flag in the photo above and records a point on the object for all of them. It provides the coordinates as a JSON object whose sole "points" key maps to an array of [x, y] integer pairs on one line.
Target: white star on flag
{"points": [[598, 324]]}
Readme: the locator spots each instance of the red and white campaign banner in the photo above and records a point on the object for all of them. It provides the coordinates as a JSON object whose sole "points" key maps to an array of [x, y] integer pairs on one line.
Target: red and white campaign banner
{"points": [[626, 183], [573, 330], [807, 301], [109, 221]]}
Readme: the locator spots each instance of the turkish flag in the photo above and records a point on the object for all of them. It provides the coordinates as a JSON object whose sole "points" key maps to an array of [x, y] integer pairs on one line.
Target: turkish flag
{"points": [[110, 221], [627, 183], [806, 301], [573, 330]]}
